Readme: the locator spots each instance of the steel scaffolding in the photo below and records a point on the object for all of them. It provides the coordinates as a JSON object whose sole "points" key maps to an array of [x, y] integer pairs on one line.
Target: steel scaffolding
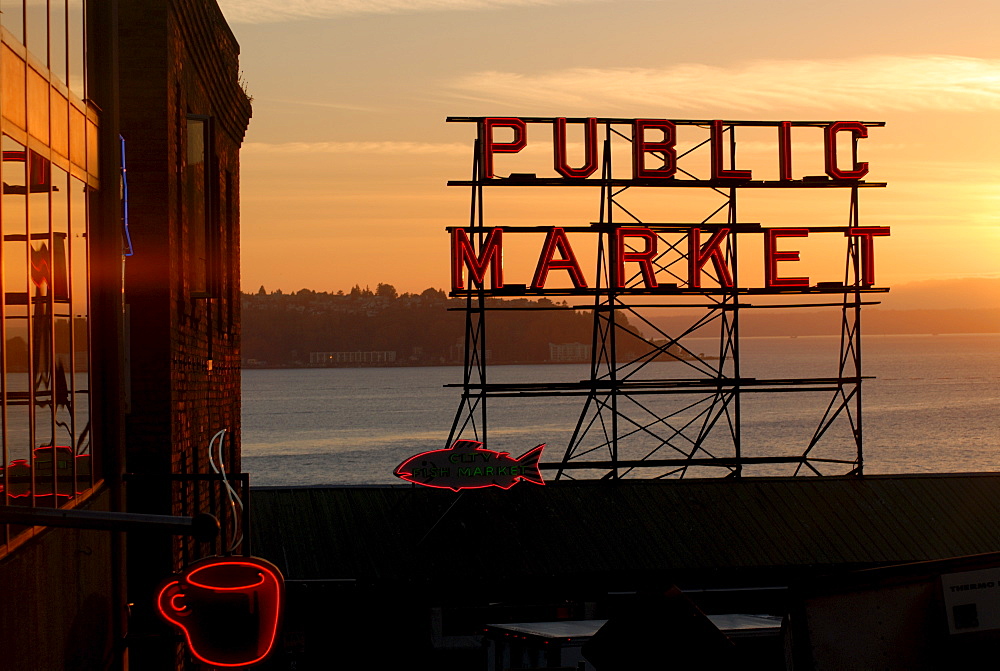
{"points": [[633, 422]]}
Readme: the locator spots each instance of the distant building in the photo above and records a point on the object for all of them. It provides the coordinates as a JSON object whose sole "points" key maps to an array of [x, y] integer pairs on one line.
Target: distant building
{"points": [[456, 353], [569, 352], [373, 358]]}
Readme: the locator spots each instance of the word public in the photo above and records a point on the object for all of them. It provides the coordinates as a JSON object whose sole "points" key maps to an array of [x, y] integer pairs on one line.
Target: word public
{"points": [[656, 139]]}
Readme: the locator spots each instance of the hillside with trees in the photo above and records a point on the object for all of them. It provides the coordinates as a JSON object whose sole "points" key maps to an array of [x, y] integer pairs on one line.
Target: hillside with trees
{"points": [[282, 329], [426, 329]]}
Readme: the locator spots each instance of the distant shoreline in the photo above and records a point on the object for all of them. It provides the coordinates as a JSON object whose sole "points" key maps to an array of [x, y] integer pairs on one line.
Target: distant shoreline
{"points": [[398, 364], [303, 366]]}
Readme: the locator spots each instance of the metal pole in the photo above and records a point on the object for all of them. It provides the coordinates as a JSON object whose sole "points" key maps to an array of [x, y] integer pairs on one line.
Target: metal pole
{"points": [[203, 527]]}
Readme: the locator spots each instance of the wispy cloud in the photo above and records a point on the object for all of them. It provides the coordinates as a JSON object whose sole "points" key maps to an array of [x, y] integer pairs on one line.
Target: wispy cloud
{"points": [[314, 103], [267, 11], [410, 148], [923, 82]]}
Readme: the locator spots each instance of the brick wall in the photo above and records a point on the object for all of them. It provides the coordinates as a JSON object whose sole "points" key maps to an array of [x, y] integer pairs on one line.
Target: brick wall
{"points": [[178, 58]]}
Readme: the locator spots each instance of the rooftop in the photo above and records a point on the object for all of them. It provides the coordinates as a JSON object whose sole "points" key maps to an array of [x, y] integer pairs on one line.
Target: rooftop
{"points": [[695, 533]]}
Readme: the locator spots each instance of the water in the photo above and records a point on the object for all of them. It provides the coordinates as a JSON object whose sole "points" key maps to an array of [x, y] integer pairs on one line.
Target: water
{"points": [[934, 407]]}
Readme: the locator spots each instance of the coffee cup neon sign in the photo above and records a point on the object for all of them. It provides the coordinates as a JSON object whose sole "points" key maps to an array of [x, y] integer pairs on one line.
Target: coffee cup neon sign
{"points": [[227, 608]]}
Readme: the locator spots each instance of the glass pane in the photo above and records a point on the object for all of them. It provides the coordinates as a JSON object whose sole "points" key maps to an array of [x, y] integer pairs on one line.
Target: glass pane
{"points": [[63, 345], [16, 383], [12, 17], [62, 405], [40, 326], [195, 201], [75, 31], [37, 13], [59, 279], [57, 38], [80, 376], [227, 290], [39, 188]]}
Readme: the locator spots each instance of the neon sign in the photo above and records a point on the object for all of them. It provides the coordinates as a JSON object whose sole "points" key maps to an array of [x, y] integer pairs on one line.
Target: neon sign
{"points": [[468, 465], [654, 146], [227, 608], [636, 253]]}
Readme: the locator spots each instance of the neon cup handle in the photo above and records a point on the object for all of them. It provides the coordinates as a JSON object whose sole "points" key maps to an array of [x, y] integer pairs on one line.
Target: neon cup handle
{"points": [[167, 600]]}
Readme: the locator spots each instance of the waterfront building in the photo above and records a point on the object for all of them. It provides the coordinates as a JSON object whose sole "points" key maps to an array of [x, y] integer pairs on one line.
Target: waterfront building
{"points": [[575, 352], [119, 317], [358, 358]]}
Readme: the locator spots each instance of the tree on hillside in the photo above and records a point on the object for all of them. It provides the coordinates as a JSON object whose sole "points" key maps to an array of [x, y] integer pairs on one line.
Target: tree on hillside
{"points": [[358, 292], [283, 329]]}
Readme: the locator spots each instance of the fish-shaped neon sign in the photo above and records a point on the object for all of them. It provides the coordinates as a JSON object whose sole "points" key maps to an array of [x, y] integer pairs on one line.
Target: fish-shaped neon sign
{"points": [[468, 465]]}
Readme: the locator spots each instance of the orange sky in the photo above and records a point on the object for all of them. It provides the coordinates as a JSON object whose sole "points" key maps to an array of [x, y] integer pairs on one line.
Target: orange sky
{"points": [[345, 167]]}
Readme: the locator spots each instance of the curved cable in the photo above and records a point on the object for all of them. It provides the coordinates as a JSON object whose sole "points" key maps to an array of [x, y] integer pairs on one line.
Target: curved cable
{"points": [[235, 502]]}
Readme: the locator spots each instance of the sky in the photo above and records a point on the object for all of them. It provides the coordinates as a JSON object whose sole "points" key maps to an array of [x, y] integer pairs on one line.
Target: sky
{"points": [[345, 165]]}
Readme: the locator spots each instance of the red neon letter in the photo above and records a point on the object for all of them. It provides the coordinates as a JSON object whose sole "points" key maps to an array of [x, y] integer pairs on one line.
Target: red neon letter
{"points": [[490, 147], [490, 256], [785, 151], [772, 256], [590, 149], [643, 258], [698, 256], [556, 239], [858, 130], [867, 250], [717, 156], [640, 147]]}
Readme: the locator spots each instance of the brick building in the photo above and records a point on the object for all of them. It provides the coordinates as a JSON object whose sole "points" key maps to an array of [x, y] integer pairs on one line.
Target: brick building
{"points": [[183, 115], [119, 368]]}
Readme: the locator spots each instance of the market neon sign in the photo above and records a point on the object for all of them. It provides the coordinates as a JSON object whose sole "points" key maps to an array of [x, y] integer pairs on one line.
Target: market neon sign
{"points": [[659, 258], [634, 253]]}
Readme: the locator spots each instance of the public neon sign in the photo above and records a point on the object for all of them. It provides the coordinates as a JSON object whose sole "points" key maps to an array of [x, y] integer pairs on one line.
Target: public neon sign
{"points": [[636, 253], [227, 608], [468, 465], [654, 146]]}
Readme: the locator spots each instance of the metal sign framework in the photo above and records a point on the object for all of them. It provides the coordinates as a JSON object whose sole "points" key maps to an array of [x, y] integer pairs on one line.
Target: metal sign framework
{"points": [[633, 423]]}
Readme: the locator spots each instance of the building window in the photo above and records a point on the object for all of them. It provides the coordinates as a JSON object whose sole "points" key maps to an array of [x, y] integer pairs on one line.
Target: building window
{"points": [[48, 141], [12, 17], [198, 205], [55, 30], [37, 15], [74, 48], [47, 457]]}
